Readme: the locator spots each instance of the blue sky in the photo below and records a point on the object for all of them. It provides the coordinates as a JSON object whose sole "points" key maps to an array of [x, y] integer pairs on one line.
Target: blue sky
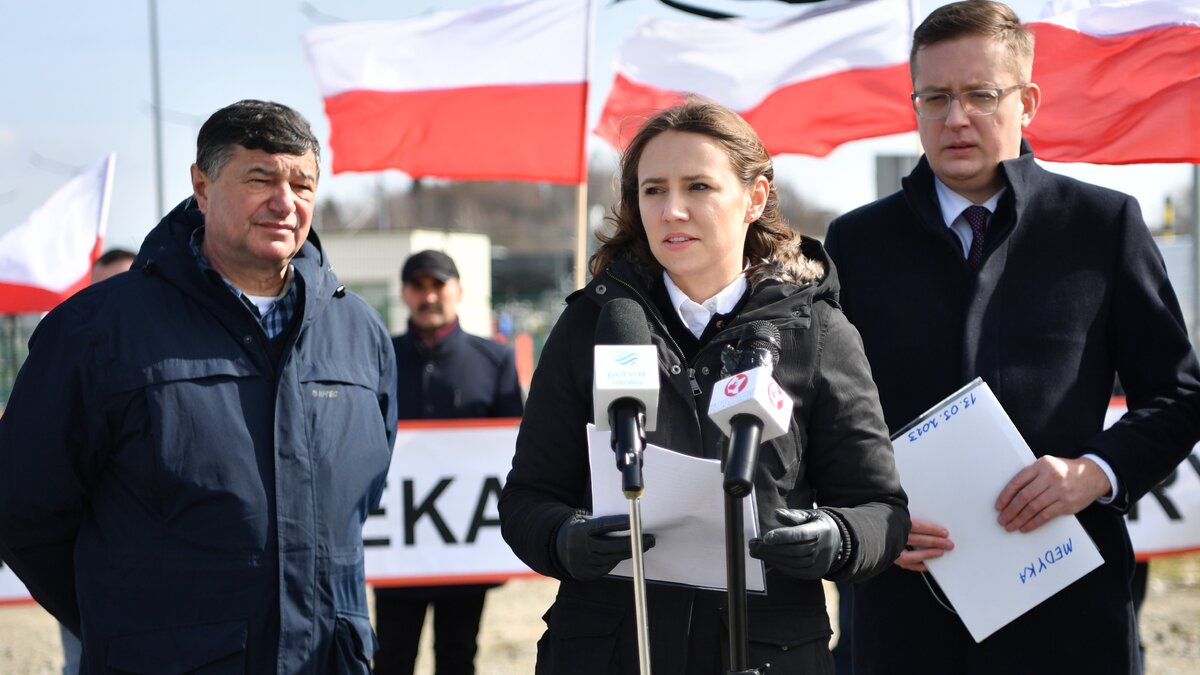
{"points": [[75, 85]]}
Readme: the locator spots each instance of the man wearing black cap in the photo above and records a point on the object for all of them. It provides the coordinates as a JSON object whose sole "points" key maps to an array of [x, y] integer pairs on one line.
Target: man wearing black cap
{"points": [[443, 373]]}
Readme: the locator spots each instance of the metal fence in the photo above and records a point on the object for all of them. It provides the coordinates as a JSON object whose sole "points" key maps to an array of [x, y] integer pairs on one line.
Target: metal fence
{"points": [[14, 346]]}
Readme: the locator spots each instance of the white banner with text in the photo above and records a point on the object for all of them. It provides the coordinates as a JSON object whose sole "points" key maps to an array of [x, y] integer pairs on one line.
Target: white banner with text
{"points": [[438, 520]]}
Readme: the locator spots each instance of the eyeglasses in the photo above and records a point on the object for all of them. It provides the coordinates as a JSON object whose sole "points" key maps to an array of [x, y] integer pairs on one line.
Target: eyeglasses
{"points": [[935, 105]]}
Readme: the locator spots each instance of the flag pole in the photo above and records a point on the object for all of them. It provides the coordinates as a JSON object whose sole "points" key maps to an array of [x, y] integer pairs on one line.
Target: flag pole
{"points": [[581, 233], [581, 224], [1196, 256]]}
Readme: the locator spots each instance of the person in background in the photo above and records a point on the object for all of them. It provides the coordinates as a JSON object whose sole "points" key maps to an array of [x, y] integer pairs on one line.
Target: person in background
{"points": [[986, 265], [191, 447], [111, 263], [442, 373], [699, 244]]}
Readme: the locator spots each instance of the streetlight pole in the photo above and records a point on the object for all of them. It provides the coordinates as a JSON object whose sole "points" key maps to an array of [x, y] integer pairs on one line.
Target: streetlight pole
{"points": [[157, 107]]}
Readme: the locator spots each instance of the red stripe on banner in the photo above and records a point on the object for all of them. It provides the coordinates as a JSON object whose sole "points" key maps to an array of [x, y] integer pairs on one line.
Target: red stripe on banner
{"points": [[811, 117], [5, 602], [450, 579], [1146, 556], [1117, 100], [524, 133], [20, 299], [460, 423]]}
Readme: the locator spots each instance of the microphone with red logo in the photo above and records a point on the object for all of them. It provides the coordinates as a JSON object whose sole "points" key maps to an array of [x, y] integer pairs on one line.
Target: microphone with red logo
{"points": [[749, 406]]}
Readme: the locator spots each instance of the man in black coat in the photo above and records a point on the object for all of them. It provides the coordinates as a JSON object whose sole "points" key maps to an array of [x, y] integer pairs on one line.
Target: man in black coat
{"points": [[1047, 294], [442, 373]]}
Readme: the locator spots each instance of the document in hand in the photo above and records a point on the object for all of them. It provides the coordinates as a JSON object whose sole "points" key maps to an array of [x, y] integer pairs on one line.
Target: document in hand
{"points": [[954, 460], [683, 507]]}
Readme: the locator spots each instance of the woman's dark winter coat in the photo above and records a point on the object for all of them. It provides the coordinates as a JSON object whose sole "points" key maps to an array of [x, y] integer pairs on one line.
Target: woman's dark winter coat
{"points": [[836, 454]]}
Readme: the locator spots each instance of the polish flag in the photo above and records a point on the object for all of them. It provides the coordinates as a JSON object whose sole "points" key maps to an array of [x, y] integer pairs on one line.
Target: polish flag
{"points": [[49, 257], [1120, 83], [493, 93], [808, 83]]}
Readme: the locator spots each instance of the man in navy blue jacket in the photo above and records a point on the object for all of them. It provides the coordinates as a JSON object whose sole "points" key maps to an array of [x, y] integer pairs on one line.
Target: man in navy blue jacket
{"points": [[443, 373], [191, 448], [985, 264]]}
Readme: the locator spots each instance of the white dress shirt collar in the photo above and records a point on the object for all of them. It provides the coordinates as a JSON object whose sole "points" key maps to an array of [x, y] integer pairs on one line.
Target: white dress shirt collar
{"points": [[697, 315], [953, 205]]}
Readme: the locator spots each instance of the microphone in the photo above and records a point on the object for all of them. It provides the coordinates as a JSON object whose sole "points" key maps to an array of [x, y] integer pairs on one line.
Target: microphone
{"points": [[625, 386], [749, 406]]}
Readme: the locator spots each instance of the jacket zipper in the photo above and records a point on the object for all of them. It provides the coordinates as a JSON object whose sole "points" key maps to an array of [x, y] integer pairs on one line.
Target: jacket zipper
{"points": [[691, 372]]}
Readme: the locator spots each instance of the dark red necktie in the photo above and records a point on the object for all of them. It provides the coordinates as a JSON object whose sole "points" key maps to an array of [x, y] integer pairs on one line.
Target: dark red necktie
{"points": [[977, 217]]}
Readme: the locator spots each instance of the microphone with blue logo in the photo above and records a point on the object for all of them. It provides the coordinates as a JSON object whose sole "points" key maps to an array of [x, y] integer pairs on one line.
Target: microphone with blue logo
{"points": [[625, 393]]}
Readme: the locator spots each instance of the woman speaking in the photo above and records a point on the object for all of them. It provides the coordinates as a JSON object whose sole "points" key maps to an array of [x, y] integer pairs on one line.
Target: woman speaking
{"points": [[698, 242]]}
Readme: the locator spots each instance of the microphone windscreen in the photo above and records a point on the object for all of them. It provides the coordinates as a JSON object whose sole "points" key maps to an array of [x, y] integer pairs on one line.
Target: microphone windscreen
{"points": [[623, 322], [758, 335]]}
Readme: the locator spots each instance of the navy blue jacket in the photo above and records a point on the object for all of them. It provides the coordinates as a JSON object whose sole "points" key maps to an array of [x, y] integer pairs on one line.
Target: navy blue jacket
{"points": [[182, 497], [462, 376], [1071, 291]]}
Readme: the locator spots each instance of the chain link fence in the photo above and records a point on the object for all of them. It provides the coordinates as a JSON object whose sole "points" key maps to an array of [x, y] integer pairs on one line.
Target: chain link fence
{"points": [[14, 346]]}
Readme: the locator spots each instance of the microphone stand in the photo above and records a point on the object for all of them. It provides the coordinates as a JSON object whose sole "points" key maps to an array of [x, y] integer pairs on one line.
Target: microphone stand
{"points": [[628, 444], [745, 454]]}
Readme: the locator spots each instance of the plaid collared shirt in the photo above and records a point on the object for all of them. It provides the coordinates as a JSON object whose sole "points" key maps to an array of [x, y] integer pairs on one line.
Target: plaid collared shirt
{"points": [[277, 317]]}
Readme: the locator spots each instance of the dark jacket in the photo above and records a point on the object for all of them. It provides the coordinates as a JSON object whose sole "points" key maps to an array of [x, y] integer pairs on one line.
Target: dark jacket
{"points": [[185, 497], [836, 453], [1072, 290], [462, 376]]}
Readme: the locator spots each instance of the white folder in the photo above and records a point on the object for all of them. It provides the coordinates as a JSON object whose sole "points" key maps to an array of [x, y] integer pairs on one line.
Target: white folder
{"points": [[954, 460]]}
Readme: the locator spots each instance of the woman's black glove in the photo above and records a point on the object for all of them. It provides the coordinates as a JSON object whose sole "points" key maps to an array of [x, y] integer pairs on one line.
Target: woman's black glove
{"points": [[810, 548], [587, 551]]}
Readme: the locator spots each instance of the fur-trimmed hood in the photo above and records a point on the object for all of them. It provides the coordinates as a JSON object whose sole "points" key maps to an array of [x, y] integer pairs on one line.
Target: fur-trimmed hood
{"points": [[802, 261]]}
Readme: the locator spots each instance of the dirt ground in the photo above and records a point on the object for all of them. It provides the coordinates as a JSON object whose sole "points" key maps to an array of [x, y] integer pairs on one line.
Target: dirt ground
{"points": [[29, 643]]}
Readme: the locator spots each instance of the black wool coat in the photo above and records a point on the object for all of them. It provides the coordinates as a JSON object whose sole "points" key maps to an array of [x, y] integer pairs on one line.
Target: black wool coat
{"points": [[836, 453], [1071, 292]]}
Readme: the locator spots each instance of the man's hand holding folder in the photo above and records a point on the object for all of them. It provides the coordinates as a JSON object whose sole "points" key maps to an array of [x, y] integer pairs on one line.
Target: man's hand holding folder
{"points": [[926, 540], [1050, 487]]}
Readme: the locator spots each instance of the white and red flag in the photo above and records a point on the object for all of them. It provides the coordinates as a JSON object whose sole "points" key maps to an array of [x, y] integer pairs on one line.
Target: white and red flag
{"points": [[835, 73], [1120, 83], [493, 93], [49, 257]]}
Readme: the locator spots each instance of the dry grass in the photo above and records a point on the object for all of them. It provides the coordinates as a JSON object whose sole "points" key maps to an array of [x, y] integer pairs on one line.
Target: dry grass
{"points": [[512, 625]]}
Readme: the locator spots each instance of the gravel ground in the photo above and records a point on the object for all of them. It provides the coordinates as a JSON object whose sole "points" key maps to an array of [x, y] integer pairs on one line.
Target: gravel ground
{"points": [[512, 624]]}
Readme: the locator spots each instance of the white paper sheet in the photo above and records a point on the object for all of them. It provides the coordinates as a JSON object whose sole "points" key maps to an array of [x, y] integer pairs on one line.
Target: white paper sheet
{"points": [[683, 506], [953, 462]]}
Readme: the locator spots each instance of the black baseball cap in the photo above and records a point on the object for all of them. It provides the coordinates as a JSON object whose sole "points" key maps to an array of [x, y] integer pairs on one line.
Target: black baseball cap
{"points": [[433, 263]]}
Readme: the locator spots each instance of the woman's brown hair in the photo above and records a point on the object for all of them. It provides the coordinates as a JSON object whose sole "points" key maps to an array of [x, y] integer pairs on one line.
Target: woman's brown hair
{"points": [[769, 239]]}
